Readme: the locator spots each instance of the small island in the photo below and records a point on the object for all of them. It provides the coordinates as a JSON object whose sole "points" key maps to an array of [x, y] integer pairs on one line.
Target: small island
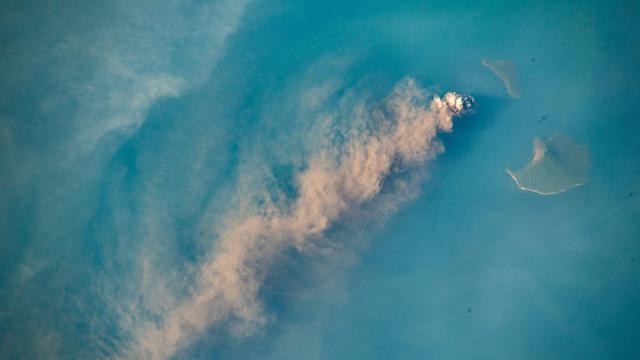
{"points": [[505, 70], [558, 165]]}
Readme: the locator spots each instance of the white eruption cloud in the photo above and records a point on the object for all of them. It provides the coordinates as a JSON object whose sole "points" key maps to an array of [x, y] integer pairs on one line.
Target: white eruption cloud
{"points": [[228, 284]]}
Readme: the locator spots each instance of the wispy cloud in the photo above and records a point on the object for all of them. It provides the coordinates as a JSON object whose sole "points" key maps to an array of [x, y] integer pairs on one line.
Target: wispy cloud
{"points": [[141, 63], [77, 74], [100, 69]]}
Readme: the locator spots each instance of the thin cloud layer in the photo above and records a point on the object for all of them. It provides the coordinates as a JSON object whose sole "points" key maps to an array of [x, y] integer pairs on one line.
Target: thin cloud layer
{"points": [[99, 69], [79, 82]]}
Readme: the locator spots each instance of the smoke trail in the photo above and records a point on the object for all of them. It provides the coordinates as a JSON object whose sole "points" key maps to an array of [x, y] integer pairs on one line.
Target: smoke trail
{"points": [[331, 186]]}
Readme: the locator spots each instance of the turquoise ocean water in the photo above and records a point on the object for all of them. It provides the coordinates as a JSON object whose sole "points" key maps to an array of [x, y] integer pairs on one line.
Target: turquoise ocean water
{"points": [[139, 138]]}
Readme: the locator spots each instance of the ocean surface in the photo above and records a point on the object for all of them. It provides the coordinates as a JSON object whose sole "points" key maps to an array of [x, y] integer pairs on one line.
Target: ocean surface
{"points": [[262, 179]]}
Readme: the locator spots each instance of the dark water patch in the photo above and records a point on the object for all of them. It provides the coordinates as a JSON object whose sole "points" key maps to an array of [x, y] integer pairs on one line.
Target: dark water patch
{"points": [[461, 141]]}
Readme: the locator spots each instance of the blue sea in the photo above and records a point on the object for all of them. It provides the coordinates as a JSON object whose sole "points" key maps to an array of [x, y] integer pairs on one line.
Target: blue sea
{"points": [[268, 179]]}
